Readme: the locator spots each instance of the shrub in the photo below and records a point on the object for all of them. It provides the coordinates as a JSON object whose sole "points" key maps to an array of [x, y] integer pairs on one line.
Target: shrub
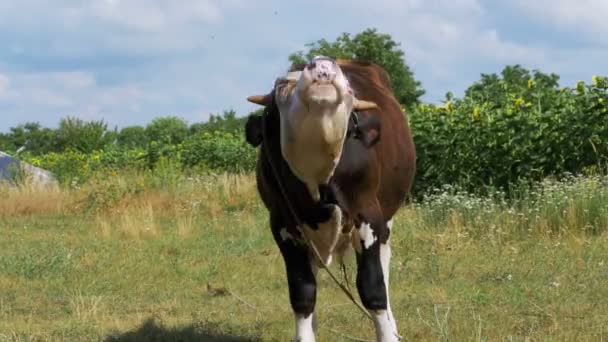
{"points": [[82, 136], [132, 137], [219, 151], [73, 167], [519, 127], [169, 130]]}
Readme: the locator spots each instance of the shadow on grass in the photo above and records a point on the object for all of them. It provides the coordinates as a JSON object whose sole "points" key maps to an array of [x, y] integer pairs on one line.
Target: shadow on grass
{"points": [[152, 331]]}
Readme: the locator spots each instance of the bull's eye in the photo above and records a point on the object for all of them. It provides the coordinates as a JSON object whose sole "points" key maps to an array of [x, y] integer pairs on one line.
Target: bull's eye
{"points": [[280, 82], [283, 89]]}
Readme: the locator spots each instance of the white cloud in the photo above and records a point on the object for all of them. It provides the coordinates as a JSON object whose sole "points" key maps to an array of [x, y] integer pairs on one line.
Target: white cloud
{"points": [[74, 79], [141, 27], [585, 16], [53, 95], [442, 39], [174, 90], [141, 15], [410, 7], [4, 84], [156, 16], [463, 37], [489, 44]]}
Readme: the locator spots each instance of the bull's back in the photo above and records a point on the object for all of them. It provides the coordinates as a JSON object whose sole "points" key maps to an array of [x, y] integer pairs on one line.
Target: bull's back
{"points": [[395, 152]]}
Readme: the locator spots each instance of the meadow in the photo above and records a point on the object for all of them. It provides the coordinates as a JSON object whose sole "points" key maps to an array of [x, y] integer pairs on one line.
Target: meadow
{"points": [[160, 256]]}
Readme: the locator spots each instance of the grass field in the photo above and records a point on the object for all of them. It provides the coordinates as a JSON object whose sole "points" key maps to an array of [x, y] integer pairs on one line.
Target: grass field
{"points": [[128, 259]]}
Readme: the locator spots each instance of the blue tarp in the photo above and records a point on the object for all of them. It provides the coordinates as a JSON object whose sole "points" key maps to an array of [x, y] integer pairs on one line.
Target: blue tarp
{"points": [[9, 165]]}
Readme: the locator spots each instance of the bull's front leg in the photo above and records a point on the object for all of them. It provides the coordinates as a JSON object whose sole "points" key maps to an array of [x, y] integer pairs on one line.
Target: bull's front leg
{"points": [[373, 260], [301, 281]]}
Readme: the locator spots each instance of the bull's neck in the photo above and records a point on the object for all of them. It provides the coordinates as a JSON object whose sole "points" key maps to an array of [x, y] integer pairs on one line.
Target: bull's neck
{"points": [[328, 125]]}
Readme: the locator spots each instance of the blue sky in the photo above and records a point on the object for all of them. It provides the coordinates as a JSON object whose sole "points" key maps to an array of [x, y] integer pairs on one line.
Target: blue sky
{"points": [[128, 61]]}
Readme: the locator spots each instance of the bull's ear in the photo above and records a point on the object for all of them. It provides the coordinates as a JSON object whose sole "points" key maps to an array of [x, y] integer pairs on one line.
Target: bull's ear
{"points": [[253, 130], [364, 105], [371, 132], [262, 100]]}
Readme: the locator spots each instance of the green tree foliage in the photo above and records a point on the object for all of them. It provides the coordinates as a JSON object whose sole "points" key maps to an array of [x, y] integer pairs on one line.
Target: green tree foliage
{"points": [[83, 136], [132, 137], [31, 136], [513, 127], [513, 82], [5, 142], [168, 130], [222, 151], [372, 46], [227, 122]]}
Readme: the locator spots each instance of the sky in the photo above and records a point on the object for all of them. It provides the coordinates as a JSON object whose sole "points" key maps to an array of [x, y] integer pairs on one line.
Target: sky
{"points": [[129, 61]]}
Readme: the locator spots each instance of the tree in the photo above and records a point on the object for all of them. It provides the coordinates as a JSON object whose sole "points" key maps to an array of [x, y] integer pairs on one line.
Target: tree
{"points": [[515, 82], [375, 47], [33, 137], [227, 122], [169, 130], [4, 142], [132, 137], [83, 136]]}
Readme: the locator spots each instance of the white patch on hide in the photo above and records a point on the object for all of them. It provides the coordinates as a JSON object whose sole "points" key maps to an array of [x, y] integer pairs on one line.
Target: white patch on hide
{"points": [[367, 235], [326, 236], [384, 324], [363, 237], [305, 328], [385, 260]]}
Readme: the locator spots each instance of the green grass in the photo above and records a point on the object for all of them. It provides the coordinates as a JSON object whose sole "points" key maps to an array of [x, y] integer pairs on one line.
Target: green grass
{"points": [[198, 263]]}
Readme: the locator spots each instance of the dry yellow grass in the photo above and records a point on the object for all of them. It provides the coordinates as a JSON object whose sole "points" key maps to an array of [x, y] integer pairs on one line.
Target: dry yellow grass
{"points": [[34, 200]]}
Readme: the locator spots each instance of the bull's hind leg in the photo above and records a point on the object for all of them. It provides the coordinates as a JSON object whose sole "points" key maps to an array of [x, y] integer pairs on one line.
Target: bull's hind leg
{"points": [[301, 281], [373, 260]]}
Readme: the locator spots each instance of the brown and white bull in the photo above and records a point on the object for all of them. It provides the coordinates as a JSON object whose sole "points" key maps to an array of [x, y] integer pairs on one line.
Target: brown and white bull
{"points": [[344, 174]]}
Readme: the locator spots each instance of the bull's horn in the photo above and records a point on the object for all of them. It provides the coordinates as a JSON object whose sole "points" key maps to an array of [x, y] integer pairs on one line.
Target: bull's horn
{"points": [[364, 105], [262, 100]]}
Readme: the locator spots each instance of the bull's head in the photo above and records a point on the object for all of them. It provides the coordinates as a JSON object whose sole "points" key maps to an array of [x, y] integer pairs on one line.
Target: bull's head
{"points": [[320, 83], [314, 105]]}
